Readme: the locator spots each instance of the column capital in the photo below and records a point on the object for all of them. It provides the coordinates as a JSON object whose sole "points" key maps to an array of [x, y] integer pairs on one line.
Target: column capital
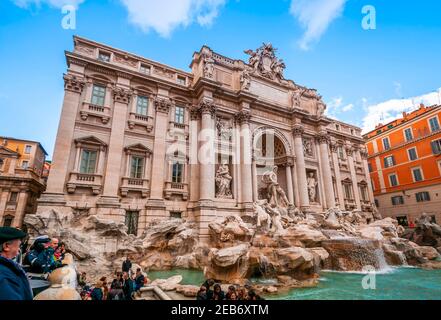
{"points": [[349, 151], [207, 106], [298, 130], [243, 117], [73, 83], [322, 137], [162, 105], [333, 146], [121, 95], [194, 113]]}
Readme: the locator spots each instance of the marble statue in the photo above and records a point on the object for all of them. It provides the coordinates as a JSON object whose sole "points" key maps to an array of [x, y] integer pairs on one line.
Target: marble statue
{"points": [[262, 217], [276, 195], [295, 98], [208, 66], [223, 181], [312, 184], [321, 107], [245, 80], [265, 63]]}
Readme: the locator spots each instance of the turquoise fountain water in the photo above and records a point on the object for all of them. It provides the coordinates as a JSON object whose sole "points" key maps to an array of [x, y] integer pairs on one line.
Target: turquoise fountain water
{"points": [[394, 284]]}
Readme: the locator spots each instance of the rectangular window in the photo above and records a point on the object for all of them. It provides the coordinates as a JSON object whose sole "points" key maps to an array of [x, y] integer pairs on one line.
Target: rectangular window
{"points": [[412, 154], [386, 144], [144, 69], [177, 174], [181, 80], [436, 146], [98, 95], [88, 161], [363, 192], [137, 168], [422, 196], [341, 154], [417, 174], [28, 149], [389, 161], [402, 221], [397, 200], [175, 214], [348, 191], [13, 197], [8, 221], [434, 124], [408, 134], [132, 222], [104, 56], [179, 115], [377, 203], [1, 163], [25, 164], [369, 167], [393, 180], [142, 104]]}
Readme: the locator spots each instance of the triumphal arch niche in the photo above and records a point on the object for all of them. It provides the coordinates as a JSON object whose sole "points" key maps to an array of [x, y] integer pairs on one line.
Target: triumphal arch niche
{"points": [[131, 131]]}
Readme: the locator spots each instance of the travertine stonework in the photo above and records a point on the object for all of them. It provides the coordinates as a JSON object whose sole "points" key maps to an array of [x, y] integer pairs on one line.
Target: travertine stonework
{"points": [[227, 123]]}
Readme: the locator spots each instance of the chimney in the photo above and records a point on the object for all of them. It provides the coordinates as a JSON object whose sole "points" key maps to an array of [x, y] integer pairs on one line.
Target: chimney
{"points": [[422, 106]]}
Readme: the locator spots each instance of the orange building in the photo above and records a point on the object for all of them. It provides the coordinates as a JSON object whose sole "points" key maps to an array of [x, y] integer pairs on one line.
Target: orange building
{"points": [[21, 179], [404, 159]]}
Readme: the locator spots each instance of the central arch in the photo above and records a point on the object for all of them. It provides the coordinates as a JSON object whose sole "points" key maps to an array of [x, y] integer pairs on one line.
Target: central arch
{"points": [[270, 148]]}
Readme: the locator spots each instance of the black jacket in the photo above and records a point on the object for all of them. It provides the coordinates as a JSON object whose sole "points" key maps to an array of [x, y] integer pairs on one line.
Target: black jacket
{"points": [[14, 284], [126, 265]]}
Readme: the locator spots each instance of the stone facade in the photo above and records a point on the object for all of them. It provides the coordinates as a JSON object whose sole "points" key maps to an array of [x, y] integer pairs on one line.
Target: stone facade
{"points": [[21, 181], [140, 141]]}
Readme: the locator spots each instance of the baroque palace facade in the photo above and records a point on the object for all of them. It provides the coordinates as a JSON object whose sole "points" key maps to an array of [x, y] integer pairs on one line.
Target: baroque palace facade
{"points": [[140, 141]]}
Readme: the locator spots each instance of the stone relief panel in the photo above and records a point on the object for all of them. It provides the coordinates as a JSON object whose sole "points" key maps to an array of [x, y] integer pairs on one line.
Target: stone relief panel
{"points": [[268, 92], [308, 147]]}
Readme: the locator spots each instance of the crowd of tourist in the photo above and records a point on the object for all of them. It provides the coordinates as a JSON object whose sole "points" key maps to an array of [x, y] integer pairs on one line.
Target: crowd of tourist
{"points": [[125, 285], [213, 291]]}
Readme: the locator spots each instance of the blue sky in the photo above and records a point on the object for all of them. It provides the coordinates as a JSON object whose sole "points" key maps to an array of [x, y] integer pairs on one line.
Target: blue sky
{"points": [[364, 75]]}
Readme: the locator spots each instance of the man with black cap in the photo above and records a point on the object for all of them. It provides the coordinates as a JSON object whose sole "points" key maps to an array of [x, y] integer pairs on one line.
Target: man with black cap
{"points": [[14, 284]]}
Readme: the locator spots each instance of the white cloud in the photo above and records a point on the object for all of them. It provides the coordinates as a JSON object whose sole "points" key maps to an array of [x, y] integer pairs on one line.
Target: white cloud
{"points": [[315, 16], [54, 3], [398, 91], [336, 107], [347, 107], [164, 16], [390, 110]]}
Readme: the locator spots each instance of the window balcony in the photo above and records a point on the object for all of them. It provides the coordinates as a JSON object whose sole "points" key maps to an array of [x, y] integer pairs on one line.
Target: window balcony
{"points": [[93, 110], [366, 205], [135, 185], [11, 206], [85, 180], [179, 128], [176, 188], [350, 204], [140, 120]]}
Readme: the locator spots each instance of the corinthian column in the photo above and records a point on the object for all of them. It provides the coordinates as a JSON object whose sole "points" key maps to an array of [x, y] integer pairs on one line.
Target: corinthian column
{"points": [[207, 150], [350, 154], [162, 106], [300, 166], [122, 99], [73, 87], [339, 187], [243, 118], [289, 184], [364, 157], [322, 139]]}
